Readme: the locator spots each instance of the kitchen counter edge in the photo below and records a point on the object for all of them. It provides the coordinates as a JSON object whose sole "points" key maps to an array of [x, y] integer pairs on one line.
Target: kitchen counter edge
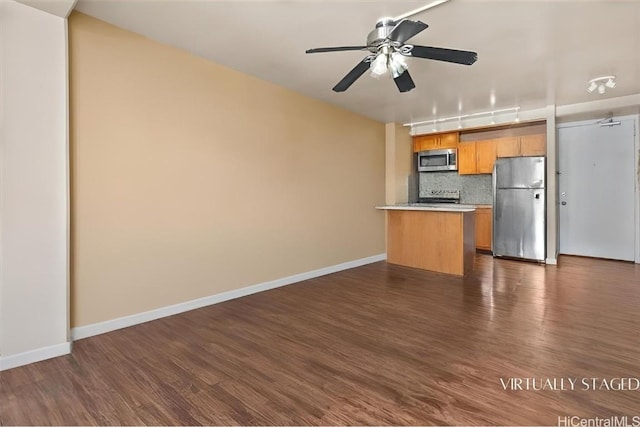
{"points": [[411, 207]]}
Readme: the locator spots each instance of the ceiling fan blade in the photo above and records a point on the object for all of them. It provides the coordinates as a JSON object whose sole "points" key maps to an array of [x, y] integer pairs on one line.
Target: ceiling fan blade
{"points": [[335, 49], [404, 82], [405, 30], [441, 54], [352, 76]]}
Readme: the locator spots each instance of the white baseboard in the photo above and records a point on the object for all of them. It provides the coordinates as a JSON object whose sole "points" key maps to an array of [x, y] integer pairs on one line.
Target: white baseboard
{"points": [[551, 261], [81, 332], [32, 356]]}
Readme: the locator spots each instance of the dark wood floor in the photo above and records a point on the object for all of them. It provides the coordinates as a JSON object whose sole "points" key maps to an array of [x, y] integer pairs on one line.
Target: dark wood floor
{"points": [[380, 344]]}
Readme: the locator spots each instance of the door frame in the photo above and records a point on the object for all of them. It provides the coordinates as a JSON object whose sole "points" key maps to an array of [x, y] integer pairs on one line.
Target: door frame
{"points": [[636, 137]]}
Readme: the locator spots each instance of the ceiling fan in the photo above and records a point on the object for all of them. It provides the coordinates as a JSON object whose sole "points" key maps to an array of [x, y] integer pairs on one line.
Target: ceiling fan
{"points": [[388, 50]]}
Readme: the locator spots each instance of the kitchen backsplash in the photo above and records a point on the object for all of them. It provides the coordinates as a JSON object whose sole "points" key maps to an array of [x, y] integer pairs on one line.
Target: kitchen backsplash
{"points": [[474, 189]]}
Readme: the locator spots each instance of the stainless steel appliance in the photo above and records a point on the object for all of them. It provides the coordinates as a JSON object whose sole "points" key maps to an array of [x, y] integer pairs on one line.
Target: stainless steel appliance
{"points": [[441, 196], [438, 160], [519, 212]]}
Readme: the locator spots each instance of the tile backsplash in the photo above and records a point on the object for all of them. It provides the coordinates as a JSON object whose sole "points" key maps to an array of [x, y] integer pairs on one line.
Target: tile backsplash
{"points": [[474, 189]]}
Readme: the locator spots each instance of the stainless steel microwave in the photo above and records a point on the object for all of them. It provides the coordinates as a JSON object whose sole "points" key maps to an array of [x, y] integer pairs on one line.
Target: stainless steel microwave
{"points": [[438, 160]]}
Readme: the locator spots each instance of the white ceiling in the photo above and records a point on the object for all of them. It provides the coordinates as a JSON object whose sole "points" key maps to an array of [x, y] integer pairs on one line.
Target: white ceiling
{"points": [[60, 8], [530, 53]]}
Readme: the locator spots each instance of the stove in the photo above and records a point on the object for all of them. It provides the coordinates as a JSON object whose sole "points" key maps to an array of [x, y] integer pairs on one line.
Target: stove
{"points": [[441, 196]]}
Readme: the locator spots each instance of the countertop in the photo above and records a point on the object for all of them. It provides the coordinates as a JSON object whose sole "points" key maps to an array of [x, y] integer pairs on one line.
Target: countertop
{"points": [[438, 207]]}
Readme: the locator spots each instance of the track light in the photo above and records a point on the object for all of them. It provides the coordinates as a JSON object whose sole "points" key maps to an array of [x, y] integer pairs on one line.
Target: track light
{"points": [[460, 117], [601, 83]]}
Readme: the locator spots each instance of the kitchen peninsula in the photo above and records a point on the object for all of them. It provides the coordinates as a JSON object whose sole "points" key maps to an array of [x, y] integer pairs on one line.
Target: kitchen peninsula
{"points": [[437, 238]]}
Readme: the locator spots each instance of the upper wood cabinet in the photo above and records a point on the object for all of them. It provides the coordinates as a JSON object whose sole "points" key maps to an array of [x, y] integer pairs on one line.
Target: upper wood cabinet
{"points": [[467, 159], [533, 145], [476, 157], [448, 140], [508, 147], [485, 155], [528, 145], [435, 142]]}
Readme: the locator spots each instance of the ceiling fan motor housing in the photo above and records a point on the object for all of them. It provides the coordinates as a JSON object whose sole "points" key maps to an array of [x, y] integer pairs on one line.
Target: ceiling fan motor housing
{"points": [[378, 36]]}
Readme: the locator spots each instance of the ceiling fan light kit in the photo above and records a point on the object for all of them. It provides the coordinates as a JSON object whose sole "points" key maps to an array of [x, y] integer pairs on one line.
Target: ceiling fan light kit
{"points": [[393, 63], [379, 65], [397, 64], [601, 83], [386, 44]]}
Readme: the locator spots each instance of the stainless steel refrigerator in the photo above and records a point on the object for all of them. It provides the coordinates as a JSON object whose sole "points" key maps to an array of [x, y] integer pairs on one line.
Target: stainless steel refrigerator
{"points": [[519, 211]]}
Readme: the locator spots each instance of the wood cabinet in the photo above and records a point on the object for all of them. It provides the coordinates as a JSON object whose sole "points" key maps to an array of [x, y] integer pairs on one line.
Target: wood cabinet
{"points": [[508, 147], [527, 145], [484, 225], [485, 156], [467, 159], [476, 157], [533, 145], [435, 141], [436, 240]]}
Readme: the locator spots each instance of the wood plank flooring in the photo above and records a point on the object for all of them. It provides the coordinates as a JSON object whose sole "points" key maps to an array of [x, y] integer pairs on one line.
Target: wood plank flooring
{"points": [[379, 344]]}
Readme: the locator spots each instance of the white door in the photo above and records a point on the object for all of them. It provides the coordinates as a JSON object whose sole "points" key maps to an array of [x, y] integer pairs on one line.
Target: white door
{"points": [[597, 190]]}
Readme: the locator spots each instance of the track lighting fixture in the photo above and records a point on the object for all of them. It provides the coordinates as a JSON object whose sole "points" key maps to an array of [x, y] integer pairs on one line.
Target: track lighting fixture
{"points": [[601, 83], [436, 122]]}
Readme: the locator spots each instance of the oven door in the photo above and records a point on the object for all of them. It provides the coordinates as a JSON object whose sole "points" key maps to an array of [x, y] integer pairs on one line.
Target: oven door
{"points": [[437, 160]]}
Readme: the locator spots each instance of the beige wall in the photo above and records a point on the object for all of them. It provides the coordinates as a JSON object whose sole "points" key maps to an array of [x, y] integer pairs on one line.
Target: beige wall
{"points": [[190, 179], [399, 163]]}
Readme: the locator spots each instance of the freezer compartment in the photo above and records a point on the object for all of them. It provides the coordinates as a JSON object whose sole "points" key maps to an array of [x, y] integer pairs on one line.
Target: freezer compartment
{"points": [[520, 172], [519, 223]]}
